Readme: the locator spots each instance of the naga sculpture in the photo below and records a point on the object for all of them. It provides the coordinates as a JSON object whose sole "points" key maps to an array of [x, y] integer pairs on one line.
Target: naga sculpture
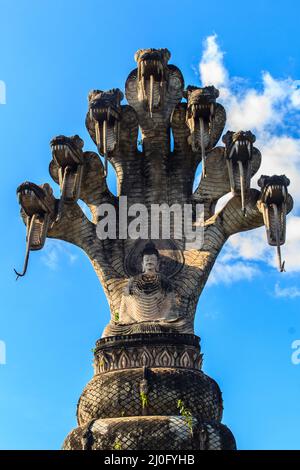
{"points": [[38, 210], [104, 112], [205, 119], [240, 158], [273, 204], [148, 361], [67, 166]]}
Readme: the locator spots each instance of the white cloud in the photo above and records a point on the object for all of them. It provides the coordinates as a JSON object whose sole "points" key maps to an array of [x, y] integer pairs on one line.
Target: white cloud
{"points": [[56, 252], [247, 107], [227, 273], [289, 292], [281, 155], [252, 246], [211, 66], [291, 250], [272, 112]]}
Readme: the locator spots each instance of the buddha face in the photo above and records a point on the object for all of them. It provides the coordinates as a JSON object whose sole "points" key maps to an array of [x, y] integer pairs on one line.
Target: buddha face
{"points": [[150, 264]]}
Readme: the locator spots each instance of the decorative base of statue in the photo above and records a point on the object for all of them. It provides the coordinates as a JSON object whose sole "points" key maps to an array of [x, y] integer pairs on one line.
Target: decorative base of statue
{"points": [[149, 393]]}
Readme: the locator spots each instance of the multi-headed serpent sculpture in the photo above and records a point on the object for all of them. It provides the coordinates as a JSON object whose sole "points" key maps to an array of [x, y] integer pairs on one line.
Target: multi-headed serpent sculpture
{"points": [[148, 391]]}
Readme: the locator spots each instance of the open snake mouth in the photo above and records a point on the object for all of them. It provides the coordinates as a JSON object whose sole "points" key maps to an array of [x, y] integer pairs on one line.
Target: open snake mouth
{"points": [[274, 189], [152, 62], [32, 199], [151, 66], [101, 110], [203, 110], [105, 105], [67, 151], [239, 145], [152, 76], [274, 194], [201, 102]]}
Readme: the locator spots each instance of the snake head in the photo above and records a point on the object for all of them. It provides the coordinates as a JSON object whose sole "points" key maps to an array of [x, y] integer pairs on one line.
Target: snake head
{"points": [[239, 153], [274, 203], [103, 119], [66, 167], [152, 62], [273, 189], [38, 209], [152, 77], [201, 102], [36, 200], [67, 151], [239, 145], [205, 118], [105, 105]]}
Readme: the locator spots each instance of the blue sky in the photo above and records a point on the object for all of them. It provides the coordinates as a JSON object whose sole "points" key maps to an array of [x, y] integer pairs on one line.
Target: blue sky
{"points": [[52, 53]]}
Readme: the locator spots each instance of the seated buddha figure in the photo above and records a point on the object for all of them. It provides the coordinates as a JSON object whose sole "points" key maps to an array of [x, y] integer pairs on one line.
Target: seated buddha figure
{"points": [[148, 296], [149, 303]]}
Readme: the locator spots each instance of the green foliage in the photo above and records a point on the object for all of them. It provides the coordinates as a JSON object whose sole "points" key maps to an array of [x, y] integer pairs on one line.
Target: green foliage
{"points": [[186, 414], [117, 316], [144, 399], [117, 445]]}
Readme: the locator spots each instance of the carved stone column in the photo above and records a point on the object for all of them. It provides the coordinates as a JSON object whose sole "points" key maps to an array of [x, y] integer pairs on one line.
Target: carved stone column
{"points": [[149, 392]]}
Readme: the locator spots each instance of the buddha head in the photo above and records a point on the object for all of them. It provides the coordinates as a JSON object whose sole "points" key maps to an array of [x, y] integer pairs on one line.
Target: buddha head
{"points": [[150, 255]]}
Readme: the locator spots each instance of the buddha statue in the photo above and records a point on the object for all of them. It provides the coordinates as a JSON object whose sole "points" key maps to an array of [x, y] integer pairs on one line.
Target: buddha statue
{"points": [[149, 301], [148, 296]]}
